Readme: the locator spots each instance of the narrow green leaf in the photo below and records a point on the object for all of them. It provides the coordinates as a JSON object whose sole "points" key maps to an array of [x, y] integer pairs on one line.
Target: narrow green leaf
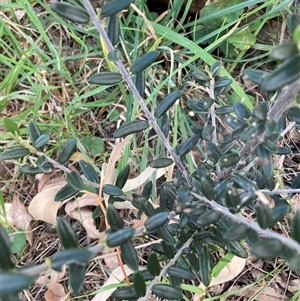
{"points": [[70, 12], [264, 215], [65, 192], [144, 61], [66, 233], [153, 264], [70, 256], [125, 293], [295, 232], [120, 237], [76, 277], [112, 190], [30, 170], [139, 284], [156, 221], [41, 141], [67, 151], [207, 188], [255, 75], [167, 292], [236, 232], [204, 266], [294, 114], [11, 126], [12, 283], [267, 248], [114, 219], [113, 28], [181, 273], [6, 262], [123, 176], [112, 7], [89, 171], [283, 75], [130, 128], [15, 152], [232, 199], [161, 162], [105, 78], [167, 103], [139, 82], [130, 256], [229, 159], [188, 145], [164, 124], [75, 181], [241, 110], [266, 161], [214, 151], [284, 51], [209, 217], [34, 131]]}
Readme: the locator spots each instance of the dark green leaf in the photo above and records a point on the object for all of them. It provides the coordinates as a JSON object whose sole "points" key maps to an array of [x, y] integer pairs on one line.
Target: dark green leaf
{"points": [[156, 221], [120, 237], [209, 217], [244, 183], [241, 110], [114, 219], [266, 161], [168, 239], [236, 232], [201, 78], [167, 292], [294, 114], [229, 159], [41, 141], [147, 207], [284, 51], [112, 190], [125, 293], [283, 151], [261, 111], [264, 215], [130, 128], [15, 152], [123, 176], [188, 145], [153, 264], [144, 61], [166, 103], [105, 78], [295, 232], [147, 190], [67, 151], [75, 181], [130, 256], [204, 266], [232, 199], [30, 170], [207, 132], [34, 131], [214, 151], [65, 192], [283, 75], [207, 188], [196, 105], [113, 7], [139, 284], [161, 162], [181, 273], [70, 12], [71, 256], [11, 126], [223, 82], [224, 110], [76, 277], [12, 283], [293, 22], [215, 69], [5, 255], [267, 248], [66, 233], [255, 75], [164, 124], [113, 28], [89, 171], [296, 182], [139, 82]]}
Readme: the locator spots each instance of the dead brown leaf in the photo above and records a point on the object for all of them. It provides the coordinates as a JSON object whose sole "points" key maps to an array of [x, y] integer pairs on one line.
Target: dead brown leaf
{"points": [[18, 215], [56, 292]]}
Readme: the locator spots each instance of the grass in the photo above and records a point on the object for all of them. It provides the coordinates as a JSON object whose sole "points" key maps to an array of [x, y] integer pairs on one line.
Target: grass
{"points": [[45, 62]]}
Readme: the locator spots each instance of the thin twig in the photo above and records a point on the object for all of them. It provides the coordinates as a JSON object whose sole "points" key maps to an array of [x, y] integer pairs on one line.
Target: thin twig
{"points": [[165, 268], [292, 244], [135, 92]]}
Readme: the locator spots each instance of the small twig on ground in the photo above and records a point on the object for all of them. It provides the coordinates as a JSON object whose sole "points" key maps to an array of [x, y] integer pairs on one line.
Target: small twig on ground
{"points": [[290, 243]]}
